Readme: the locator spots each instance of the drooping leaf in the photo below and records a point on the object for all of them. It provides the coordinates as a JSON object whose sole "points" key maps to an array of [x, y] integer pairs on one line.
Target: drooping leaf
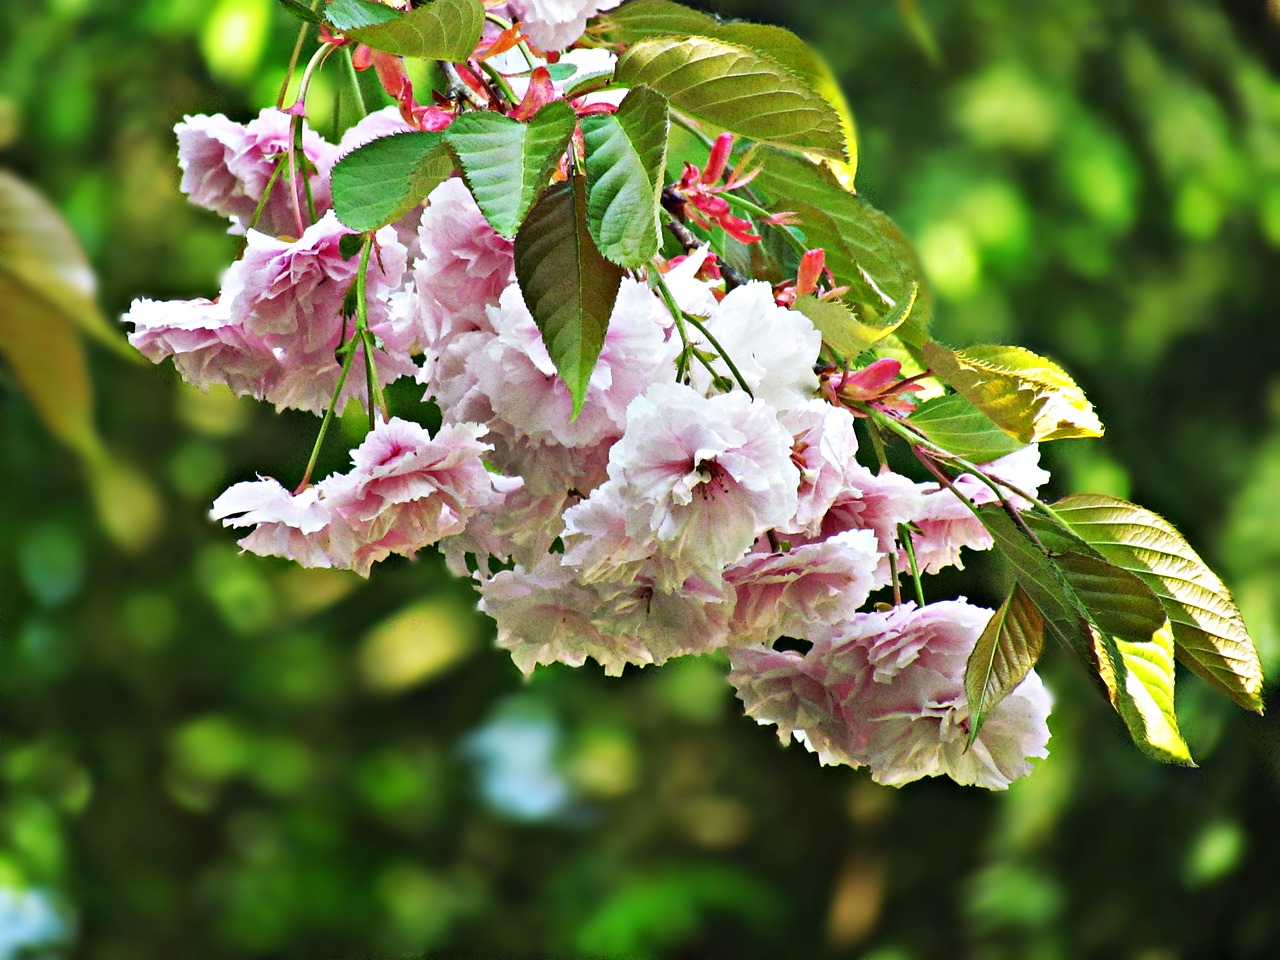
{"points": [[1210, 636], [865, 249], [1113, 599], [569, 287], [1043, 583], [439, 30], [1032, 398], [379, 182], [1140, 680], [626, 158], [1003, 656], [956, 425], [733, 88], [507, 163]]}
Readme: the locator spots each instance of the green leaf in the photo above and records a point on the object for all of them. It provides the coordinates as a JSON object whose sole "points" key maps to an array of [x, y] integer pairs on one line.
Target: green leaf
{"points": [[569, 287], [1112, 621], [301, 10], [956, 425], [643, 19], [646, 19], [1041, 580], [1003, 656], [865, 249], [1209, 633], [439, 30], [507, 163], [1140, 680], [1031, 398], [729, 87], [626, 159], [379, 182], [844, 332]]}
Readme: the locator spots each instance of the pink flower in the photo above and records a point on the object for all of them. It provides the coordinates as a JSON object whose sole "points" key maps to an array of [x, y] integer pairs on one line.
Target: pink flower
{"points": [[703, 477], [226, 167], [206, 345], [290, 296], [825, 449], [298, 527], [791, 594], [554, 24]]}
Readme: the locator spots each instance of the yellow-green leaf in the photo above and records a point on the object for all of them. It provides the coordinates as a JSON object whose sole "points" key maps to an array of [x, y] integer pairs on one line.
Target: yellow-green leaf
{"points": [[1031, 398], [1139, 677], [1003, 656], [1210, 636]]}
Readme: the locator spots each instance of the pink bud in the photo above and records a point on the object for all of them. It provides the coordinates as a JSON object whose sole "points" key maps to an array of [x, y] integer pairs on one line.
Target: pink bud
{"points": [[719, 159]]}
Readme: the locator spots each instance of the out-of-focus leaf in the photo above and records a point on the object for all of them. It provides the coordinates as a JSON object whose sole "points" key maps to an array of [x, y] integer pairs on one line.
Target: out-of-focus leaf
{"points": [[507, 163], [380, 181], [956, 425], [626, 157], [1027, 395], [569, 287], [733, 88], [1210, 636], [439, 30], [301, 10], [1003, 656]]}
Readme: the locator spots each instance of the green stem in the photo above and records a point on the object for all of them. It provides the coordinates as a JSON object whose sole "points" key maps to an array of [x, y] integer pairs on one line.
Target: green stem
{"points": [[353, 78], [523, 47], [904, 537], [761, 213], [682, 364], [376, 401], [493, 74], [349, 348], [266, 194], [715, 344]]}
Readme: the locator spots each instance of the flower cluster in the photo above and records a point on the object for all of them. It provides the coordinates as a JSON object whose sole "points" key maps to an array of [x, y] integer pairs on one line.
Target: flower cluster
{"points": [[687, 507]]}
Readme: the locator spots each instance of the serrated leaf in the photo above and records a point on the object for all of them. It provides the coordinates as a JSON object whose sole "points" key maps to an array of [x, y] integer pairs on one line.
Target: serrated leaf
{"points": [[956, 425], [1030, 397], [645, 19], [626, 159], [865, 249], [301, 10], [733, 88], [1113, 599], [439, 30], [1210, 636], [568, 286], [1005, 653], [507, 163], [379, 182], [1140, 680]]}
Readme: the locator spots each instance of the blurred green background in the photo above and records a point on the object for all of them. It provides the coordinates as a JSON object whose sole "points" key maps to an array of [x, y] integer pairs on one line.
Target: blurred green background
{"points": [[211, 756]]}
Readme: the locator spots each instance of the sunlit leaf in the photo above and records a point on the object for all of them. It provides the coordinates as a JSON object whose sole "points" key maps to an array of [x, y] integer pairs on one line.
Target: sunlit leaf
{"points": [[1030, 397], [569, 287], [1003, 656], [844, 332], [1140, 680], [439, 30], [507, 163], [956, 425], [732, 88], [626, 159], [379, 182], [1210, 635], [643, 19]]}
